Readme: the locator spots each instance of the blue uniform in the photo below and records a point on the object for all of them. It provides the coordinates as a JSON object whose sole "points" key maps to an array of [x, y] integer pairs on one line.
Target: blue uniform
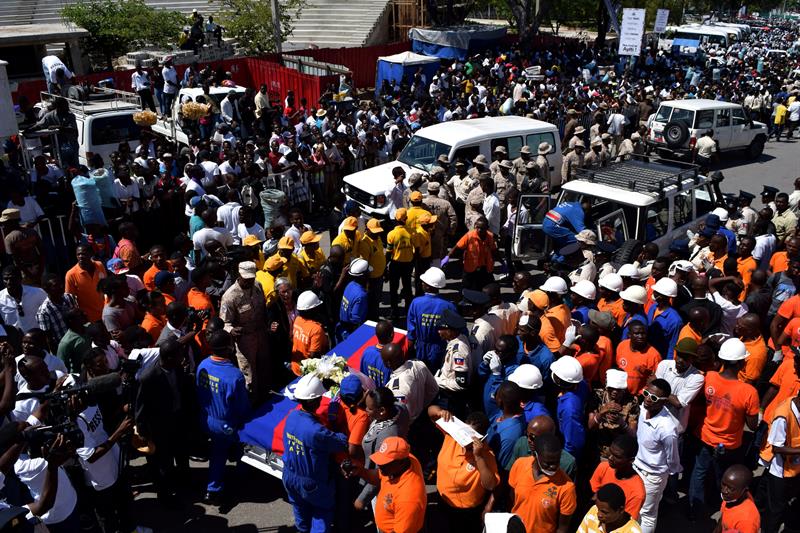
{"points": [[628, 319], [502, 436], [570, 411], [353, 311], [491, 385], [424, 314], [581, 313], [308, 473], [222, 395], [533, 409], [731, 237], [563, 222], [541, 357], [664, 330], [372, 366]]}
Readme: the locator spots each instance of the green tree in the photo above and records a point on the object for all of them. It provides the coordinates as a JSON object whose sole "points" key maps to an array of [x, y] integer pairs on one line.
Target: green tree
{"points": [[118, 26], [250, 22]]}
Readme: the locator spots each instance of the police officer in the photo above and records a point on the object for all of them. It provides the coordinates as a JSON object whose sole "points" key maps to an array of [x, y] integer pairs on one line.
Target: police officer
{"points": [[520, 164], [307, 470], [424, 314], [565, 221], [222, 395], [453, 377], [593, 159], [446, 219], [355, 301], [743, 225]]}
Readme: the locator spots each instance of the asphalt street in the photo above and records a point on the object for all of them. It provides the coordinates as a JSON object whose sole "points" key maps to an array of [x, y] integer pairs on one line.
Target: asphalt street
{"points": [[256, 501]]}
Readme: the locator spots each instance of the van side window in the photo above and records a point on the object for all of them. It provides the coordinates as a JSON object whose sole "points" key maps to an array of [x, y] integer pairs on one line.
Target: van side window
{"points": [[704, 119], [465, 154], [738, 117], [498, 142], [723, 118], [535, 139], [514, 145], [657, 220], [113, 130]]}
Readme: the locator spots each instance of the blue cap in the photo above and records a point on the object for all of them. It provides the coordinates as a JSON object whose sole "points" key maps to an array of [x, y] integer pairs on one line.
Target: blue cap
{"points": [[452, 320], [680, 246], [708, 232], [163, 277], [713, 221], [351, 389], [195, 201], [350, 207]]}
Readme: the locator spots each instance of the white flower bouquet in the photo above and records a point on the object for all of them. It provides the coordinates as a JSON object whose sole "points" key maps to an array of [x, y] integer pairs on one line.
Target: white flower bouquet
{"points": [[331, 369]]}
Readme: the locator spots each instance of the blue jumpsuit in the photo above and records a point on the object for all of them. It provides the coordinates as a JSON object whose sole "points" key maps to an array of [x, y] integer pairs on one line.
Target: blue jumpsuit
{"points": [[492, 384], [570, 411], [308, 471], [353, 311], [533, 409], [424, 314], [372, 366], [502, 436], [541, 357], [563, 222], [222, 395], [664, 330]]}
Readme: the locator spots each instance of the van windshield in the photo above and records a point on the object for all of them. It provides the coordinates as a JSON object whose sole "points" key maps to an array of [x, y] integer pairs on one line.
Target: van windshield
{"points": [[422, 153], [114, 129]]}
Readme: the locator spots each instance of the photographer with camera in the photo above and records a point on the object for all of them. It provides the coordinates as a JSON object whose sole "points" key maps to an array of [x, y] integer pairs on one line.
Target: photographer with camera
{"points": [[34, 344], [38, 381], [183, 323]]}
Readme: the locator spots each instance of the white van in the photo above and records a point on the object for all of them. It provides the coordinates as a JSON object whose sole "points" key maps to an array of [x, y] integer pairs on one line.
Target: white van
{"points": [[689, 38], [171, 127], [459, 140]]}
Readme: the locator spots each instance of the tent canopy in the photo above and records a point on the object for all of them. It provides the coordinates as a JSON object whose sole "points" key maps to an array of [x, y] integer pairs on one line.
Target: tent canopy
{"points": [[404, 65], [454, 42]]}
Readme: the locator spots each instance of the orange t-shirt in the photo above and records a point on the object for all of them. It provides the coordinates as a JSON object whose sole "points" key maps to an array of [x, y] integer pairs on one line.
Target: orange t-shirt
{"points": [[632, 486], [742, 518], [561, 318], [548, 334], [754, 364], [792, 329], [639, 365], [400, 504], [727, 403], [688, 331], [785, 378], [540, 503], [615, 308], [199, 300], [790, 308], [357, 424], [746, 267], [477, 253], [153, 325], [83, 285], [719, 263], [149, 278], [457, 480], [308, 337], [590, 363], [779, 262], [648, 285], [606, 350]]}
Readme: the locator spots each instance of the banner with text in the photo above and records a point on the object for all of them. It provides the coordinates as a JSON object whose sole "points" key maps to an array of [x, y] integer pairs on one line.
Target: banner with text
{"points": [[662, 17], [631, 31]]}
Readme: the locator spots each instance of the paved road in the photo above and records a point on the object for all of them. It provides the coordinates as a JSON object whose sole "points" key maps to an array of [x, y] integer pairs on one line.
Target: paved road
{"points": [[257, 500]]}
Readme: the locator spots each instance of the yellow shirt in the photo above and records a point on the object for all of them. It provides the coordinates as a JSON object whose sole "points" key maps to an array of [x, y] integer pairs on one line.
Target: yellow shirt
{"points": [[348, 245], [591, 524], [314, 263], [267, 282], [372, 251], [780, 114], [422, 242], [294, 269], [398, 242], [414, 212]]}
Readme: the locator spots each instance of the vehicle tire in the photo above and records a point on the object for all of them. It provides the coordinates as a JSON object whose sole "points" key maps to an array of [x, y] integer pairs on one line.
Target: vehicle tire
{"points": [[676, 134], [756, 148], [628, 252]]}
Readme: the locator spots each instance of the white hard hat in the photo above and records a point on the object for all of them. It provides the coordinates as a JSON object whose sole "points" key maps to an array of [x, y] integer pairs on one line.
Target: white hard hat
{"points": [[733, 350], [554, 284], [635, 293], [309, 387], [628, 270], [308, 300], [568, 369], [359, 267], [722, 213], [667, 287], [527, 376], [612, 282], [434, 277], [586, 289]]}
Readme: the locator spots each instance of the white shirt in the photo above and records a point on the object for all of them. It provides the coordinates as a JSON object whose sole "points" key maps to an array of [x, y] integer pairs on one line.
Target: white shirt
{"points": [[777, 437], [243, 231], [228, 214], [491, 210], [146, 356], [32, 299], [730, 312], [211, 169], [114, 353], [226, 109], [52, 63], [126, 192], [170, 74], [29, 211], [218, 234], [226, 168], [140, 82], [765, 246], [794, 111], [684, 386], [414, 386], [658, 443], [54, 365], [104, 472], [616, 124], [295, 234], [32, 472]]}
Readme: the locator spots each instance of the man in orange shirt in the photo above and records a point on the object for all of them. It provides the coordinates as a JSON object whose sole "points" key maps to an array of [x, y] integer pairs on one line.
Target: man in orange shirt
{"points": [[699, 318], [401, 500], [784, 384], [748, 329], [738, 511], [779, 262], [730, 404], [619, 470], [557, 311], [543, 496], [353, 399], [745, 262], [479, 249], [158, 255], [308, 335], [537, 306], [637, 357], [81, 281], [718, 246], [581, 343], [605, 324], [610, 286]]}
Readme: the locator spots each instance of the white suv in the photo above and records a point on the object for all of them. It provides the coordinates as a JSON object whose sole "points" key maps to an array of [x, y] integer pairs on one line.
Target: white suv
{"points": [[676, 126]]}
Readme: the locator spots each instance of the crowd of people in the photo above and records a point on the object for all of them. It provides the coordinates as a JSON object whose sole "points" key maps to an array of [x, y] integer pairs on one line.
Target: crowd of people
{"points": [[592, 395]]}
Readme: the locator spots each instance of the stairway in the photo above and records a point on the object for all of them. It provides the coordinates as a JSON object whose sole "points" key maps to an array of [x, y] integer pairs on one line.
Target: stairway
{"points": [[339, 23]]}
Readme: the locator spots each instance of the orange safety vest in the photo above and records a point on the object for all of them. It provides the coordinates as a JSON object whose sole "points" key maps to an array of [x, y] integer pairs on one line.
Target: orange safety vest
{"points": [[791, 465]]}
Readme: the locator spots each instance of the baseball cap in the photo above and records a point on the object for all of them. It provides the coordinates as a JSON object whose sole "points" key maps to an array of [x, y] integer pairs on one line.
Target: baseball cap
{"points": [[309, 236], [539, 299], [686, 345], [247, 270], [415, 196], [286, 243], [251, 240], [163, 277], [391, 449], [374, 225], [274, 262], [350, 223], [351, 389]]}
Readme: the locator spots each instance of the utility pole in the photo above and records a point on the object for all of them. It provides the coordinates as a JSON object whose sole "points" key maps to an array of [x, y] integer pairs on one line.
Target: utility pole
{"points": [[276, 26]]}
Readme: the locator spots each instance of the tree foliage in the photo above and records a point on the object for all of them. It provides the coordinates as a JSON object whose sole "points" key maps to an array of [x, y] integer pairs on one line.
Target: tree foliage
{"points": [[250, 22], [118, 26]]}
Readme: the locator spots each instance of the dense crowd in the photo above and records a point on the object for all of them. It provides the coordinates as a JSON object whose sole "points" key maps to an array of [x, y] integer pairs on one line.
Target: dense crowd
{"points": [[587, 400]]}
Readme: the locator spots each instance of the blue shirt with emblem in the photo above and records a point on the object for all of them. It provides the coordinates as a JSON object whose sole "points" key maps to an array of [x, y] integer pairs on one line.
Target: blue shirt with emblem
{"points": [[424, 314], [354, 304], [372, 366]]}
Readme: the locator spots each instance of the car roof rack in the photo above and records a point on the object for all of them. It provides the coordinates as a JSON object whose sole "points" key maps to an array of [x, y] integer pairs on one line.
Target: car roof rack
{"points": [[98, 100], [644, 174]]}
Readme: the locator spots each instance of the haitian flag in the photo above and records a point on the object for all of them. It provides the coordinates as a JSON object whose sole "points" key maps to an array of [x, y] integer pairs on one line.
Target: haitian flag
{"points": [[266, 427]]}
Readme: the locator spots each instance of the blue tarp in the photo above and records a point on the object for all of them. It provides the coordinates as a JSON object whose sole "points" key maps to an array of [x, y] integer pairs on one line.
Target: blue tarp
{"points": [[694, 43], [454, 42], [404, 65]]}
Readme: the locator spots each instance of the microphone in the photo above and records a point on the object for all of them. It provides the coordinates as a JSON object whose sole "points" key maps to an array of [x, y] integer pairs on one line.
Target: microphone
{"points": [[98, 385]]}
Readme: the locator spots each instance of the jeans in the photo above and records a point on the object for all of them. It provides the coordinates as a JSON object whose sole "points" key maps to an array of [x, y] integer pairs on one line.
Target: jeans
{"points": [[168, 99], [221, 445], [160, 99], [654, 485], [709, 460], [307, 517]]}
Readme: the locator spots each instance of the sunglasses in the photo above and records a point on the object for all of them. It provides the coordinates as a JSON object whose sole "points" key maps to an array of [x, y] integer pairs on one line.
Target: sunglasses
{"points": [[652, 397]]}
